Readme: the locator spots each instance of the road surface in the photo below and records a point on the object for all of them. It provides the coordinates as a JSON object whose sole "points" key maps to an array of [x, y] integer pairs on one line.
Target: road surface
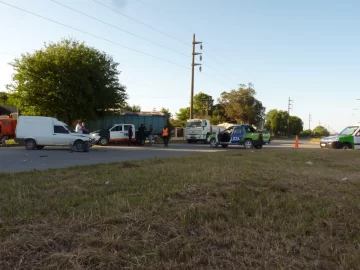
{"points": [[18, 159]]}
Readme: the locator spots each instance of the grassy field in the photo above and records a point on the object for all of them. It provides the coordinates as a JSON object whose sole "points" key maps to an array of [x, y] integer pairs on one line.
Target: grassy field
{"points": [[264, 209]]}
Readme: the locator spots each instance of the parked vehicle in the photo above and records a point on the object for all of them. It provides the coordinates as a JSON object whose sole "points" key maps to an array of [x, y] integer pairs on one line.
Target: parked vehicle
{"points": [[157, 120], [197, 130], [8, 126], [117, 133], [36, 132], [349, 138], [238, 135]]}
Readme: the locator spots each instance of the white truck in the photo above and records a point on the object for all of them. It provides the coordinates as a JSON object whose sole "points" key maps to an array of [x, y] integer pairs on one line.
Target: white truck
{"points": [[117, 133], [200, 130], [36, 132]]}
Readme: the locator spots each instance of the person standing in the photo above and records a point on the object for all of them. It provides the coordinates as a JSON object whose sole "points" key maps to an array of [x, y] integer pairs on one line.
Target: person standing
{"points": [[130, 134], [141, 134], [78, 128], [84, 129], [151, 134], [165, 135]]}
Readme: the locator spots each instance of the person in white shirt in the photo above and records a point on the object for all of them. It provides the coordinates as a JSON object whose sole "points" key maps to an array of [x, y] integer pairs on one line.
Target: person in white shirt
{"points": [[78, 127]]}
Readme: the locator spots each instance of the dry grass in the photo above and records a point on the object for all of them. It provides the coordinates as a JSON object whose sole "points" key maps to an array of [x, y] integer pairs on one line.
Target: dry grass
{"points": [[231, 210]]}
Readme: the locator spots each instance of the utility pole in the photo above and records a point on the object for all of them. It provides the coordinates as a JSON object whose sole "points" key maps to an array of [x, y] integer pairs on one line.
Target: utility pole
{"points": [[193, 64], [290, 103]]}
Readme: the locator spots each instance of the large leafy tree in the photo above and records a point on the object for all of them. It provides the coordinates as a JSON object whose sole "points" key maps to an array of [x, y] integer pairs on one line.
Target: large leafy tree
{"points": [[280, 122], [67, 80], [203, 104], [242, 106], [320, 131], [296, 125]]}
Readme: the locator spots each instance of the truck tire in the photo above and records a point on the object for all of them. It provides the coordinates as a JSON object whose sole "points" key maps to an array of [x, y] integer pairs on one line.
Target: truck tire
{"points": [[248, 144], [103, 141], [30, 144]]}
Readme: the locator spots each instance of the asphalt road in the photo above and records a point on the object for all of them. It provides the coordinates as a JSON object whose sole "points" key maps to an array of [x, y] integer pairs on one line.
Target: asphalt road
{"points": [[18, 159]]}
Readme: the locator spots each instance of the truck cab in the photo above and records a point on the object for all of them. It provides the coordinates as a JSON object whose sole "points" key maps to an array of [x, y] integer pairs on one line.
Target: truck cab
{"points": [[117, 133], [197, 130], [7, 126], [244, 135]]}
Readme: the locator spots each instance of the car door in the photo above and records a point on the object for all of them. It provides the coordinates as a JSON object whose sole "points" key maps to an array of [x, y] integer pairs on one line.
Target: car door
{"points": [[116, 133], [126, 134], [61, 136], [237, 135], [357, 140]]}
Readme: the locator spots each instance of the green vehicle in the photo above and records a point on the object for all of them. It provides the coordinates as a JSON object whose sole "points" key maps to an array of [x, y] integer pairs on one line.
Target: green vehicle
{"points": [[244, 135], [349, 138]]}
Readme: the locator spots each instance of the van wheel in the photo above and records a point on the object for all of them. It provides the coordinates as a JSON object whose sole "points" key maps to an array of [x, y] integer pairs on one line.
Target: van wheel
{"points": [[30, 144], [346, 146], [79, 146], [103, 141], [39, 147]]}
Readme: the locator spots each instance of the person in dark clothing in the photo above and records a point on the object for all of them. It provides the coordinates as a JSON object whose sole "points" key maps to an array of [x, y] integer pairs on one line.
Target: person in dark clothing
{"points": [[141, 134], [130, 134]]}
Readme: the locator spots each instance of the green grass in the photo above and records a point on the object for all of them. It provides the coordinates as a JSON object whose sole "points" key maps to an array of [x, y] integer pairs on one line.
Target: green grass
{"points": [[264, 209]]}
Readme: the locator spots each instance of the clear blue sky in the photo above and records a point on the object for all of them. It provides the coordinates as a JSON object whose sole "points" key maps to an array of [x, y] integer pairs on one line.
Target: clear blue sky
{"points": [[306, 50]]}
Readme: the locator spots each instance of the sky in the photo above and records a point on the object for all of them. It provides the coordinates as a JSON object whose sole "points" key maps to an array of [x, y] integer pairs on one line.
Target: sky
{"points": [[306, 50]]}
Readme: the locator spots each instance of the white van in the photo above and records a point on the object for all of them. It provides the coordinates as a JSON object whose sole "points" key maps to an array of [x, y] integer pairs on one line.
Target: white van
{"points": [[36, 132]]}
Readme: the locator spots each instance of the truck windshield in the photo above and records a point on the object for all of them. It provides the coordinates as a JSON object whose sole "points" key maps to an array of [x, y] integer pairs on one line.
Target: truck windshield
{"points": [[193, 124], [349, 130]]}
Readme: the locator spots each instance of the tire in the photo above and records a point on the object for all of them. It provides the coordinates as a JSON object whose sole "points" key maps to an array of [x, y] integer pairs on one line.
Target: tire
{"points": [[79, 146], [224, 145], [213, 143], [258, 146], [104, 141], [40, 147], [346, 146], [248, 144], [30, 144], [189, 141]]}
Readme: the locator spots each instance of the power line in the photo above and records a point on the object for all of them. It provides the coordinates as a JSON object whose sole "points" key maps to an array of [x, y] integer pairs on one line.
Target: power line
{"points": [[119, 29], [144, 24], [87, 33]]}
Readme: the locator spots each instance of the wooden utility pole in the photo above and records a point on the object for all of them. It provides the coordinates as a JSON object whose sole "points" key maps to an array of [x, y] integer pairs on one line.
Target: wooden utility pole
{"points": [[193, 64]]}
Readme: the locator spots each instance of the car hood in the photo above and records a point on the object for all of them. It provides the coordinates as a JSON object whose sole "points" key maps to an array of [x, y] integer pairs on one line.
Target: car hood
{"points": [[330, 138]]}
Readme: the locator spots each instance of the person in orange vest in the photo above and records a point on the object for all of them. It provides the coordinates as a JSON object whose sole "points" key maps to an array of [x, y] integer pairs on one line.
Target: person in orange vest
{"points": [[165, 135]]}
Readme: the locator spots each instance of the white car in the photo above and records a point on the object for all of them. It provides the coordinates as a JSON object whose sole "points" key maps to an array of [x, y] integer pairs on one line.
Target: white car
{"points": [[36, 132]]}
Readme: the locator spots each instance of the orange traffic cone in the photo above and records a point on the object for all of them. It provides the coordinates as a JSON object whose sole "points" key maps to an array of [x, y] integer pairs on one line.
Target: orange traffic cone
{"points": [[296, 142]]}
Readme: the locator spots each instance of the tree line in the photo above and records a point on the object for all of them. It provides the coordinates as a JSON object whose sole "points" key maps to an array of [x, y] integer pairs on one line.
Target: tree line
{"points": [[70, 81]]}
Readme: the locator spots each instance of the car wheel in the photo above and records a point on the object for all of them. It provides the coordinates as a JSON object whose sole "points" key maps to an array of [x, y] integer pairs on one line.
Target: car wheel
{"points": [[213, 143], [39, 147], [248, 144], [30, 144], [346, 146], [224, 145], [103, 141], [79, 146]]}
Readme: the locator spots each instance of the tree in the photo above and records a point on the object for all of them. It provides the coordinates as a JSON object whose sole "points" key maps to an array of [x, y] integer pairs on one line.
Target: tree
{"points": [[67, 80], [4, 98], [320, 131], [242, 106], [296, 125], [168, 116], [133, 108], [183, 115], [203, 105]]}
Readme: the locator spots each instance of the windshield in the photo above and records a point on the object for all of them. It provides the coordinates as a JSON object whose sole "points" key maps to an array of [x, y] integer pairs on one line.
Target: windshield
{"points": [[349, 130], [69, 129], [193, 124]]}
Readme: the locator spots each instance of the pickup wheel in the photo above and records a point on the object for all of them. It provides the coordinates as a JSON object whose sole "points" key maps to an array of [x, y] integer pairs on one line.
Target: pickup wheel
{"points": [[213, 143], [30, 144], [248, 144], [103, 141]]}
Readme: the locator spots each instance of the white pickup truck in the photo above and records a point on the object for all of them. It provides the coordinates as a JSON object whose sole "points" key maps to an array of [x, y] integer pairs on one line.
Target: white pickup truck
{"points": [[117, 133]]}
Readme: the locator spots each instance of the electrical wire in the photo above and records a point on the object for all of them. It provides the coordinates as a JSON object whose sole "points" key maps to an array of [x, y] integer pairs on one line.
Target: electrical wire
{"points": [[95, 36], [144, 24], [119, 29]]}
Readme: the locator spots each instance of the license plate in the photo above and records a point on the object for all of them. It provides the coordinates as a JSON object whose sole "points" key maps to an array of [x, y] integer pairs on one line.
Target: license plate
{"points": [[323, 144]]}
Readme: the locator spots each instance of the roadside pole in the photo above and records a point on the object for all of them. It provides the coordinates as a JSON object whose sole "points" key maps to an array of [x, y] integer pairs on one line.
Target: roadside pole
{"points": [[193, 64]]}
